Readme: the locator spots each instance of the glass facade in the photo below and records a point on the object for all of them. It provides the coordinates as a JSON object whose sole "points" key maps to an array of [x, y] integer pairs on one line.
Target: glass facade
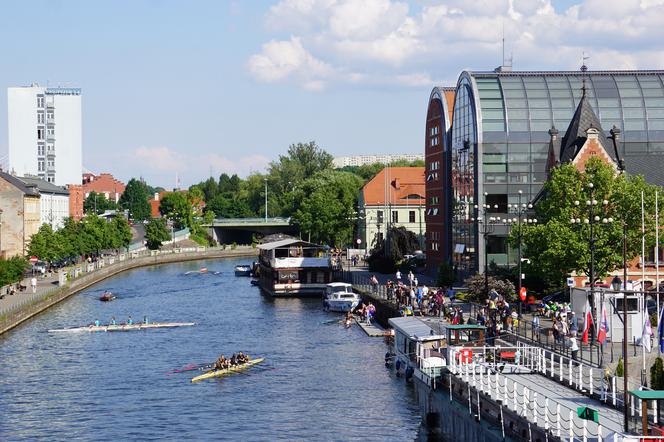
{"points": [[505, 118]]}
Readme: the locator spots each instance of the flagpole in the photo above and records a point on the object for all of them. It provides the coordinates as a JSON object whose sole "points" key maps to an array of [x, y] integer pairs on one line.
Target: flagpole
{"points": [[657, 255], [643, 286]]}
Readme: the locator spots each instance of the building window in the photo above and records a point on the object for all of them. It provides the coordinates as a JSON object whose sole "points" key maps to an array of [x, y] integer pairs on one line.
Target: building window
{"points": [[40, 101], [40, 117], [411, 216], [379, 217], [433, 201], [496, 245], [40, 149], [49, 115], [40, 133], [395, 216], [40, 165]]}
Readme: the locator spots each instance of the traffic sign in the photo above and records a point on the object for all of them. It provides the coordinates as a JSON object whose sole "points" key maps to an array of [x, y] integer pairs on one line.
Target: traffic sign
{"points": [[587, 414], [33, 259], [522, 293], [359, 241], [570, 282]]}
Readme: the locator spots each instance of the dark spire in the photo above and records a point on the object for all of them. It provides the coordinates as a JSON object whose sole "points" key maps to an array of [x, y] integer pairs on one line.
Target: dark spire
{"points": [[584, 118]]}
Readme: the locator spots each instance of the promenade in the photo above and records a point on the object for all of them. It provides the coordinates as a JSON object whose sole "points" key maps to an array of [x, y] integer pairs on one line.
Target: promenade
{"points": [[24, 305]]}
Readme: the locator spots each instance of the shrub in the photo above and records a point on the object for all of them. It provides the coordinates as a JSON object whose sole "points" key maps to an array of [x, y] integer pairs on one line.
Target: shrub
{"points": [[477, 290], [657, 374]]}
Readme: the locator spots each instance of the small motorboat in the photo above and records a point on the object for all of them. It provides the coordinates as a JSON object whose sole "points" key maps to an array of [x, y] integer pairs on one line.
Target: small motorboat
{"points": [[242, 270], [339, 297], [107, 296]]}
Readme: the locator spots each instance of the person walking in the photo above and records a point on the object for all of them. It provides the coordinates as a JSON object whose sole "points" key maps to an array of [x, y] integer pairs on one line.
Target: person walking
{"points": [[33, 283], [374, 283], [411, 277], [575, 348], [398, 275]]}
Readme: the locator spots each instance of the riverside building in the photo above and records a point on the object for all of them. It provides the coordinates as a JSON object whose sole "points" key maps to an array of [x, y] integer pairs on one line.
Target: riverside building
{"points": [[44, 131], [499, 138]]}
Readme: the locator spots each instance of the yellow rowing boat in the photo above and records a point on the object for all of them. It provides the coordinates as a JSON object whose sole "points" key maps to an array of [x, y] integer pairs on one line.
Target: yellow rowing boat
{"points": [[225, 371]]}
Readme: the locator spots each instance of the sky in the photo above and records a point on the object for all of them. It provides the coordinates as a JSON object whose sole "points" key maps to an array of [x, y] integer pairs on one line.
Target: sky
{"points": [[199, 88]]}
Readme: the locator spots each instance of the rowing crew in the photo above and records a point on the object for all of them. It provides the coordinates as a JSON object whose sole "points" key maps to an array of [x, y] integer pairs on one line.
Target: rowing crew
{"points": [[223, 363], [130, 321]]}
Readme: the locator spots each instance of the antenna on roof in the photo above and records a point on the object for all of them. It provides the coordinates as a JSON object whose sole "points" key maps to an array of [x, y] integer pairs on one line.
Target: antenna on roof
{"points": [[506, 64], [584, 71]]}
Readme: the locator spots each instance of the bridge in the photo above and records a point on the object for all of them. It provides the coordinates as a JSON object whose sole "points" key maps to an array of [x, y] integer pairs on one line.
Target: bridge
{"points": [[242, 230]]}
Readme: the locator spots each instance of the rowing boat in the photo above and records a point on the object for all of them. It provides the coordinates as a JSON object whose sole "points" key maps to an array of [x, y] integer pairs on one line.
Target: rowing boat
{"points": [[225, 371], [121, 327]]}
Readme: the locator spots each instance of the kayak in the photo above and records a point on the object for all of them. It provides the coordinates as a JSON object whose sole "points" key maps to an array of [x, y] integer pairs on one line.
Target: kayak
{"points": [[121, 327], [225, 371]]}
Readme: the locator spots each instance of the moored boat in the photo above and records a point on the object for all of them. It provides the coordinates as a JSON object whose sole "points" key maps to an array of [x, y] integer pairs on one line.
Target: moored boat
{"points": [[242, 270], [218, 373], [339, 297], [121, 327]]}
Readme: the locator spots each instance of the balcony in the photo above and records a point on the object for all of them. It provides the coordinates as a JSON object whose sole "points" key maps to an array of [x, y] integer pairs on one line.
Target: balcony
{"points": [[50, 121], [50, 137], [50, 154]]}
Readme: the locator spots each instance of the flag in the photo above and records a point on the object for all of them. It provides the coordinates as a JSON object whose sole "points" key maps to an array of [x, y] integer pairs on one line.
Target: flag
{"points": [[603, 326], [646, 334], [587, 320], [660, 330]]}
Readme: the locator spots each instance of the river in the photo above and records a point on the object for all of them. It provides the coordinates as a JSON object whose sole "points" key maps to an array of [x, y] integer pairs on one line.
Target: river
{"points": [[319, 382]]}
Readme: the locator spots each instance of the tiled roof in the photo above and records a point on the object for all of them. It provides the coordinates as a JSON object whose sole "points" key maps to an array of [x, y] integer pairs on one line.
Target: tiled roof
{"points": [[404, 185], [43, 186], [20, 185], [651, 166]]}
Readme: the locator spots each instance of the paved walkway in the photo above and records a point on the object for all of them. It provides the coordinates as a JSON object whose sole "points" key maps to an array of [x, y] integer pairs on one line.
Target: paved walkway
{"points": [[610, 419], [44, 285]]}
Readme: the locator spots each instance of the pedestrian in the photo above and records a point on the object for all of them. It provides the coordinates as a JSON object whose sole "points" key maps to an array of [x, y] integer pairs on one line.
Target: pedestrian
{"points": [[374, 283], [575, 348], [398, 275], [574, 325], [411, 277], [33, 283], [536, 325]]}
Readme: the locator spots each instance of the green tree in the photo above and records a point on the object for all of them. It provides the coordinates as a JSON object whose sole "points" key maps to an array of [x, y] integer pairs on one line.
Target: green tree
{"points": [[98, 201], [95, 234], [135, 200], [325, 206], [556, 247], [156, 232], [177, 207], [45, 245], [120, 232], [11, 270], [389, 252], [70, 239], [657, 375]]}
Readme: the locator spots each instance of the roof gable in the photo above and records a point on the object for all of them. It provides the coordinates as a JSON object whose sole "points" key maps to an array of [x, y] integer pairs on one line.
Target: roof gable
{"points": [[577, 132]]}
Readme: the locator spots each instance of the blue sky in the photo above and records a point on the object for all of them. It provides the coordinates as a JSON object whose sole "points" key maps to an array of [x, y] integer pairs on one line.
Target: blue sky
{"points": [[225, 86]]}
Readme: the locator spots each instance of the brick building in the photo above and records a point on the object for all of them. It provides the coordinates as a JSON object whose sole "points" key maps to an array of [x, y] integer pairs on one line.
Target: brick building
{"points": [[103, 183]]}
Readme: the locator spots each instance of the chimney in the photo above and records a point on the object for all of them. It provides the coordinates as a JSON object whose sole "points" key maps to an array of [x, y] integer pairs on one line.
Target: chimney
{"points": [[395, 183], [553, 132]]}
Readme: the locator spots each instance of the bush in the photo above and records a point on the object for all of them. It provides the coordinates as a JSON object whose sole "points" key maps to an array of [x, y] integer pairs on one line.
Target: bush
{"points": [[446, 275], [234, 246], [620, 369], [477, 290]]}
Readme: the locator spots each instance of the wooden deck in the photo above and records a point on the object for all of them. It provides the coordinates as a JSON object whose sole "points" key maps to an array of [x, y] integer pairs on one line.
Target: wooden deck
{"points": [[373, 330]]}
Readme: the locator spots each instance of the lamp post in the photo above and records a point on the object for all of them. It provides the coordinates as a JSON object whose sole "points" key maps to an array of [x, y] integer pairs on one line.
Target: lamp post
{"points": [[486, 225], [520, 210], [593, 218]]}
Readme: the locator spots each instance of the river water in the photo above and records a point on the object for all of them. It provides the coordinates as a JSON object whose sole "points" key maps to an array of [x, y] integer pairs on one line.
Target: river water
{"points": [[319, 382]]}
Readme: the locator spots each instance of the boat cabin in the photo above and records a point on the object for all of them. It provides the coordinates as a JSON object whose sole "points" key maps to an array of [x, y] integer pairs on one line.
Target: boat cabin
{"points": [[418, 346], [338, 287], [294, 267], [466, 335]]}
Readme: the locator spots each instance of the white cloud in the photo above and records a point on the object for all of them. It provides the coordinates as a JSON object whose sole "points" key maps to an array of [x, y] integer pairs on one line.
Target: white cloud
{"points": [[356, 41]]}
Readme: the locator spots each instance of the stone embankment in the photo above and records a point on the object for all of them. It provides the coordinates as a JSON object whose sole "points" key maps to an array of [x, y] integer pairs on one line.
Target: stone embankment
{"points": [[84, 275]]}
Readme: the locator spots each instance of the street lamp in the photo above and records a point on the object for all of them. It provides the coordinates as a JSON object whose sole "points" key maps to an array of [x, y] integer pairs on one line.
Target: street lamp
{"points": [[520, 210], [265, 180], [616, 284], [486, 225], [592, 206]]}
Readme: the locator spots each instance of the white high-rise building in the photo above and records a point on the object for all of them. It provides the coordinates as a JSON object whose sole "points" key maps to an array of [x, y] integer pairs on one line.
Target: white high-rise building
{"points": [[45, 136]]}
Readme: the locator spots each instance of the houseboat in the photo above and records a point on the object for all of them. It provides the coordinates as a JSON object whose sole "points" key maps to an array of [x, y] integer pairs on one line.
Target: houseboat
{"points": [[292, 267]]}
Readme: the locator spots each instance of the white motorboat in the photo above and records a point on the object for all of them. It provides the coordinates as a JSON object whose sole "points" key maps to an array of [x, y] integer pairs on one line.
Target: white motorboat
{"points": [[339, 297], [242, 270]]}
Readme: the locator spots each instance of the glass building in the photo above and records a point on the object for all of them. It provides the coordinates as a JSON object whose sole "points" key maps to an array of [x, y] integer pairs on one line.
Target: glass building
{"points": [[499, 141]]}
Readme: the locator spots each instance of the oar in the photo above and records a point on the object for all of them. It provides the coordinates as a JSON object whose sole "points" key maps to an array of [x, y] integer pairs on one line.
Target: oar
{"points": [[191, 367]]}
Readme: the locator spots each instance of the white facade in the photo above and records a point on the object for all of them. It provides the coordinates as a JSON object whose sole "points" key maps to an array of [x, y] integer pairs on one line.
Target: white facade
{"points": [[361, 160], [54, 208], [45, 133], [374, 222]]}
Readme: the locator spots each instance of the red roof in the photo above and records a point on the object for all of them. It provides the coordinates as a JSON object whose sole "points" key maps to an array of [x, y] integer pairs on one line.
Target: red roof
{"points": [[401, 186]]}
